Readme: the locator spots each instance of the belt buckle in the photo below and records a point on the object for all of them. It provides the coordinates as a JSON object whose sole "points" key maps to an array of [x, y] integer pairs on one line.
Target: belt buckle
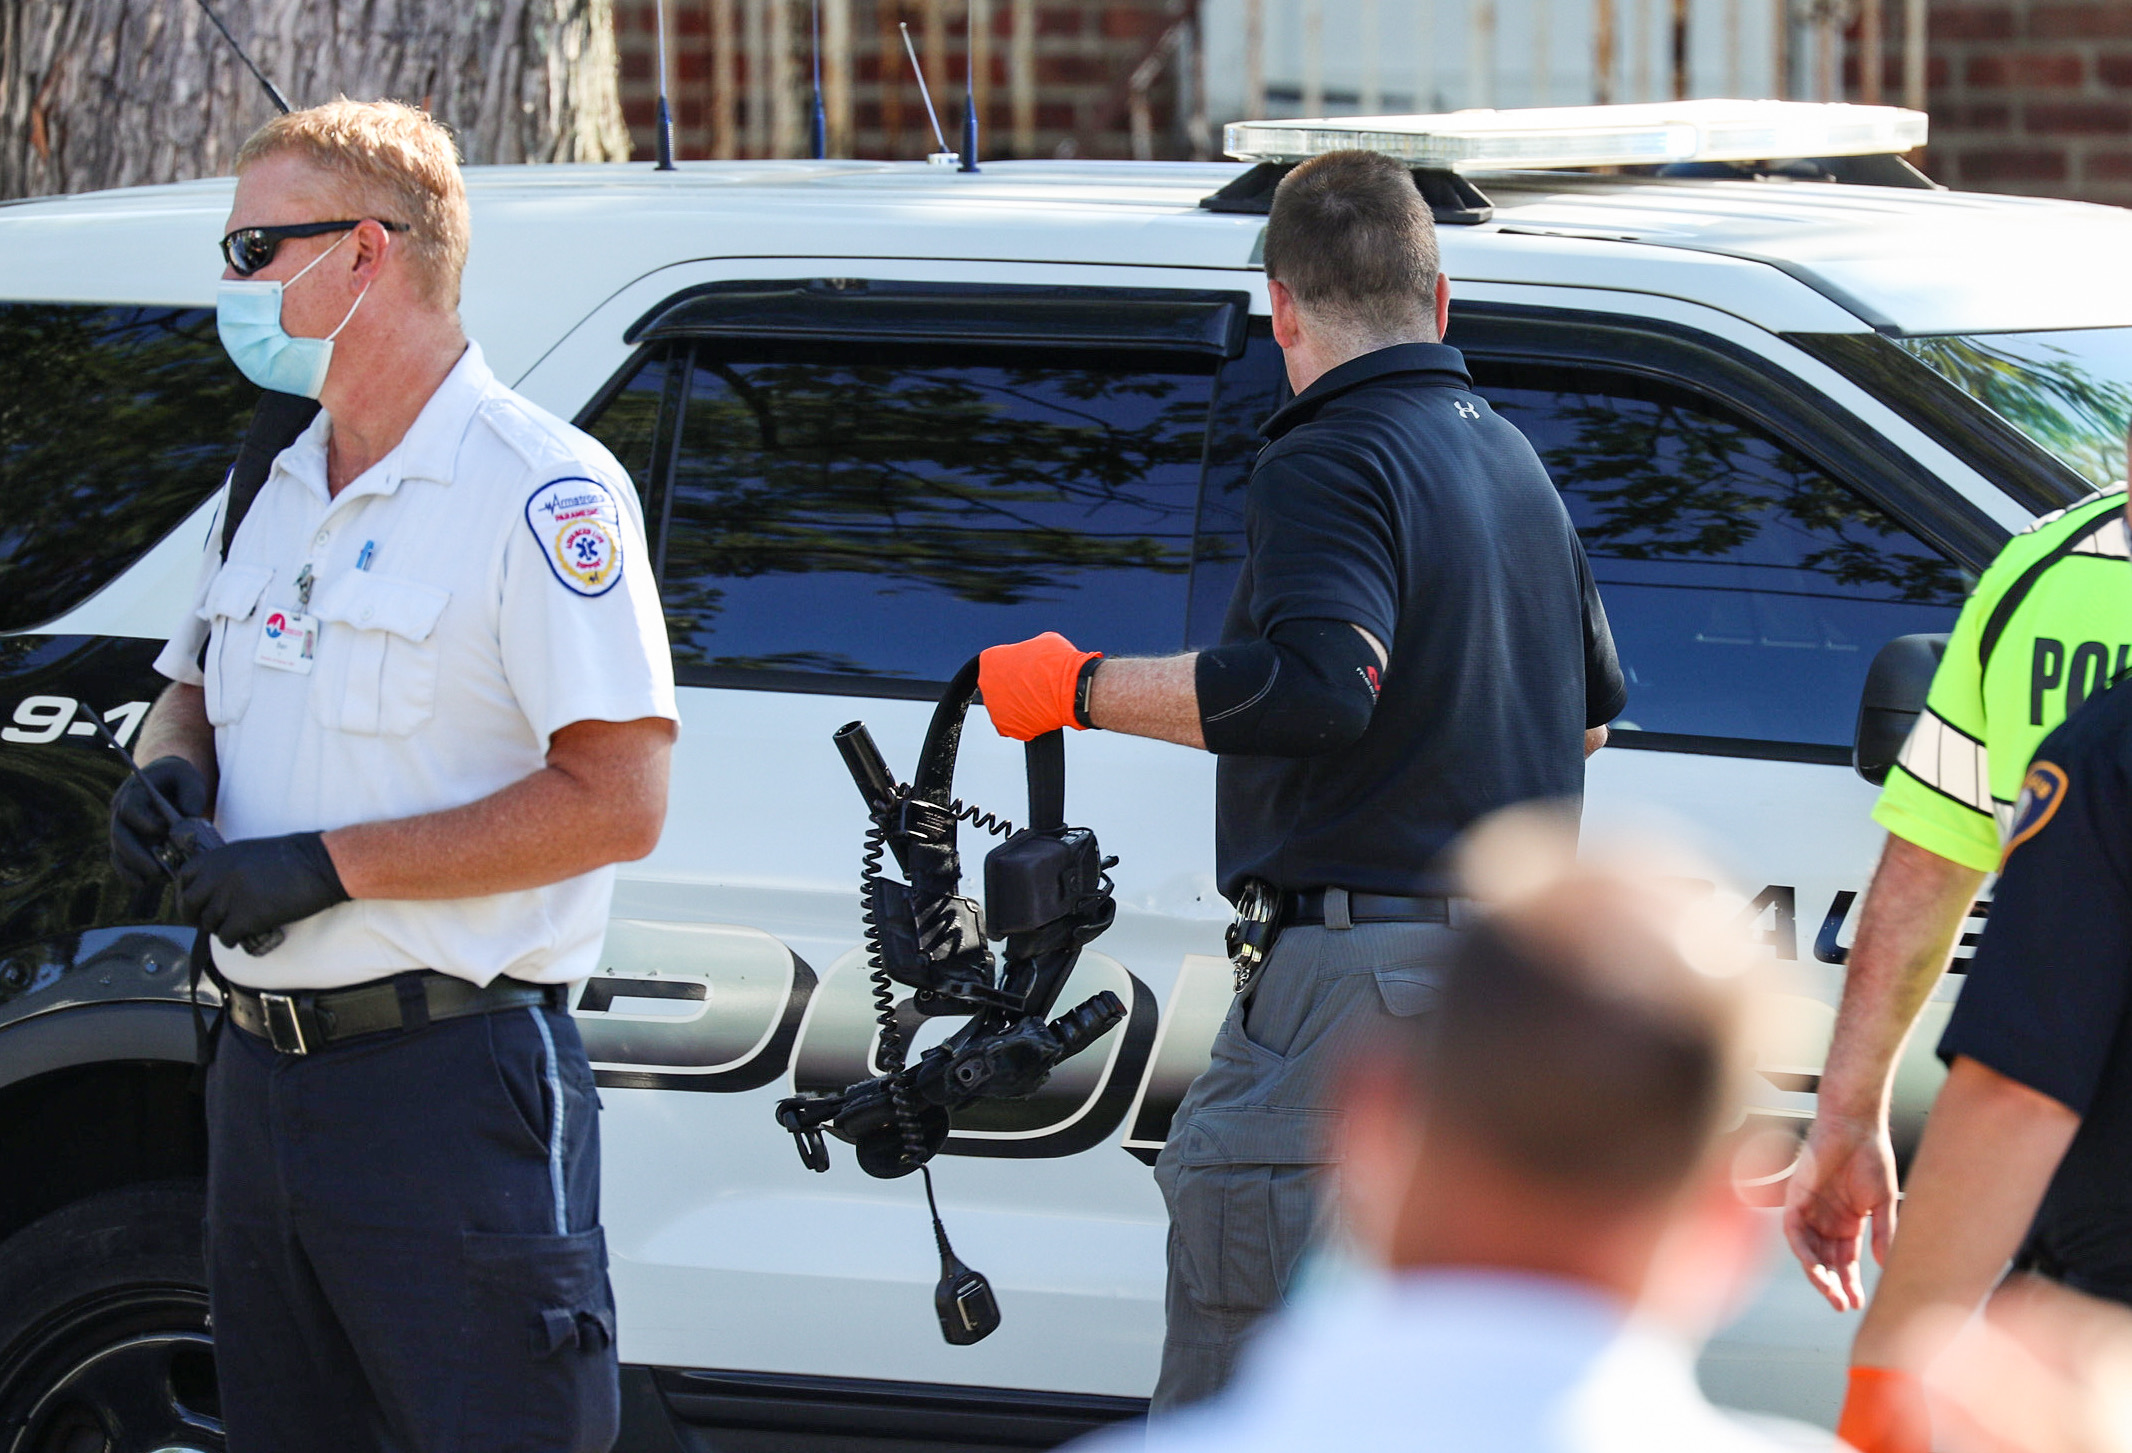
{"points": [[285, 1015], [1251, 934]]}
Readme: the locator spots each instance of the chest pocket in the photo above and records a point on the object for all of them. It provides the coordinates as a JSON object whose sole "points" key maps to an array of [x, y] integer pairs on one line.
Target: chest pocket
{"points": [[230, 610], [377, 654]]}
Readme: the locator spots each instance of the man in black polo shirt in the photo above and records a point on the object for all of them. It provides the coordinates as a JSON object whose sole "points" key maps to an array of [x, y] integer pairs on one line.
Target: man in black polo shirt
{"points": [[1414, 642], [2028, 1150]]}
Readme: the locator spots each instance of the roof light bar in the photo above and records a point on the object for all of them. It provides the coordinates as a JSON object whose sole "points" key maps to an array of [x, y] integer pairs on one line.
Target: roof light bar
{"points": [[1573, 136]]}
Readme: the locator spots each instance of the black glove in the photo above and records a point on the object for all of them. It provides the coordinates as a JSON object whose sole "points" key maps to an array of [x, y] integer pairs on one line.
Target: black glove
{"points": [[242, 890], [138, 826]]}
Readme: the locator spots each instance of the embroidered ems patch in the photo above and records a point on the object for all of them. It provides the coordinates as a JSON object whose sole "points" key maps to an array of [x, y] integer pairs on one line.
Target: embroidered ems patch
{"points": [[2041, 792], [579, 526]]}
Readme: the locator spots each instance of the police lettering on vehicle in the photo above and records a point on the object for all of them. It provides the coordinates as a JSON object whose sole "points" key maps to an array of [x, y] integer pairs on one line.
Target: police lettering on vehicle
{"points": [[578, 523]]}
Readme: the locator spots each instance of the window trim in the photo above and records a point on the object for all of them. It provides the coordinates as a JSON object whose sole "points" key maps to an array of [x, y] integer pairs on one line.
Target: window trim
{"points": [[681, 352], [1772, 400]]}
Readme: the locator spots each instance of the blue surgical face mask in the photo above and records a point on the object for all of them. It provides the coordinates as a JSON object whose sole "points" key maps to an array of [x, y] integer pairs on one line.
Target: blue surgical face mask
{"points": [[248, 316]]}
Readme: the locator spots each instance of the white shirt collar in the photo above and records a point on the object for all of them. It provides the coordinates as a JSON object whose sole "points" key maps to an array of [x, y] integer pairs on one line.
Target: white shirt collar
{"points": [[428, 450]]}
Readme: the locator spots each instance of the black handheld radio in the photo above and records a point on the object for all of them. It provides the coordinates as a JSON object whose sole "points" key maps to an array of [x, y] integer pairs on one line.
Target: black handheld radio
{"points": [[1047, 893]]}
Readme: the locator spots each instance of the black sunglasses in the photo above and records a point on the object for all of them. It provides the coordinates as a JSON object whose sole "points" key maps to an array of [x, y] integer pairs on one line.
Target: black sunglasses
{"points": [[248, 249]]}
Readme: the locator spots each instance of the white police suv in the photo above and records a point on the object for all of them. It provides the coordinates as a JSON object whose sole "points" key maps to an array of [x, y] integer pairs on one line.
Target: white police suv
{"points": [[882, 415]]}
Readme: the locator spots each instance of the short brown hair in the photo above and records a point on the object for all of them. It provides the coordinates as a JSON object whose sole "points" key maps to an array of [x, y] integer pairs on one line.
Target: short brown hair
{"points": [[392, 162], [1582, 1043], [1351, 237]]}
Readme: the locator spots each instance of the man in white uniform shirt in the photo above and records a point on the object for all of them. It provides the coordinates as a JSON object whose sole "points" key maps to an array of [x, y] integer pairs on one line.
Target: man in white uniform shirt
{"points": [[1534, 1171], [426, 692]]}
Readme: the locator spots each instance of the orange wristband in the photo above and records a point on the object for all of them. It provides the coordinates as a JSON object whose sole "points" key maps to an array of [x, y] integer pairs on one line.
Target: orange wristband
{"points": [[1884, 1412]]}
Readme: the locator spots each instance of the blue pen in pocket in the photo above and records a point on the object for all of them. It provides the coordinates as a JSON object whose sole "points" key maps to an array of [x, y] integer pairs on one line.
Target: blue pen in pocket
{"points": [[362, 559]]}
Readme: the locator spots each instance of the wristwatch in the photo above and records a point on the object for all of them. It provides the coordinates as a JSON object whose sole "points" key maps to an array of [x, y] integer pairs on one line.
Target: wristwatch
{"points": [[1081, 685]]}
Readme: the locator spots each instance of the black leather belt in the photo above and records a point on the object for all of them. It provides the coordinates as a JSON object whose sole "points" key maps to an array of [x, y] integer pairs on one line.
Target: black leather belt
{"points": [[1308, 907], [302, 1023]]}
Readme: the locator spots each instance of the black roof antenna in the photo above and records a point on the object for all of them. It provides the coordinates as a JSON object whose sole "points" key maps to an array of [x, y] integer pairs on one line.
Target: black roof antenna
{"points": [[821, 121], [969, 93], [942, 157], [281, 102], [663, 127]]}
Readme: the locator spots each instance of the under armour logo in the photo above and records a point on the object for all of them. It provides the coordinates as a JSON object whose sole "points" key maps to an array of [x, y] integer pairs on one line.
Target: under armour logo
{"points": [[1465, 410]]}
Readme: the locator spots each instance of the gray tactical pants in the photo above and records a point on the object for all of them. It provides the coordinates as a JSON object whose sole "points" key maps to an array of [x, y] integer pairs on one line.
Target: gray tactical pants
{"points": [[1246, 1161]]}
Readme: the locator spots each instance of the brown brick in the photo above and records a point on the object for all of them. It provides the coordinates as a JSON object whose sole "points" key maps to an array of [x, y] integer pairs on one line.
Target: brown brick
{"points": [[636, 66], [1058, 20], [1986, 72], [2111, 166], [2046, 69], [1128, 22], [1972, 22], [2079, 22], [2114, 70], [1958, 116], [2077, 118], [2020, 164]]}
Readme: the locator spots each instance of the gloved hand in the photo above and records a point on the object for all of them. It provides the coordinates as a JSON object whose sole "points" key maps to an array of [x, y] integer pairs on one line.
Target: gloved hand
{"points": [[244, 889], [138, 826], [1029, 685], [1884, 1412]]}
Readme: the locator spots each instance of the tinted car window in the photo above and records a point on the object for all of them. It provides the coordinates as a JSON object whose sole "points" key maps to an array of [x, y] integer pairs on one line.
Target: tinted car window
{"points": [[885, 511], [1748, 590], [115, 423]]}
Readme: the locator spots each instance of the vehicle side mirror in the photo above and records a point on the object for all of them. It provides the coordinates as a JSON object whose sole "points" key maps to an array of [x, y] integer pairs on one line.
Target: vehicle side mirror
{"points": [[1895, 691]]}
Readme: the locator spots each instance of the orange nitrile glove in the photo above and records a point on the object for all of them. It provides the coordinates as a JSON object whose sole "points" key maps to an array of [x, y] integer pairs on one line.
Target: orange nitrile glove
{"points": [[1884, 1412], [1029, 685]]}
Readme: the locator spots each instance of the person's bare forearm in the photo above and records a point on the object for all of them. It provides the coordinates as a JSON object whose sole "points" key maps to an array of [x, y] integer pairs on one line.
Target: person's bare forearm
{"points": [[176, 726], [1990, 1149], [1149, 697], [1913, 912], [601, 799]]}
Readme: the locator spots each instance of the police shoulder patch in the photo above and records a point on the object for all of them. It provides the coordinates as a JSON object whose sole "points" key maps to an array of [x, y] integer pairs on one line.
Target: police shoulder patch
{"points": [[579, 526], [2041, 792]]}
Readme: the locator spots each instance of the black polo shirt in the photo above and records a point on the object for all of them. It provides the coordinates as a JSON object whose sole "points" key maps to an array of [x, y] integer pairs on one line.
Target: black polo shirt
{"points": [[2048, 994], [1391, 496]]}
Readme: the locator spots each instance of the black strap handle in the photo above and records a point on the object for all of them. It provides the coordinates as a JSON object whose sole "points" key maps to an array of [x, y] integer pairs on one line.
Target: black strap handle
{"points": [[1045, 757], [276, 421]]}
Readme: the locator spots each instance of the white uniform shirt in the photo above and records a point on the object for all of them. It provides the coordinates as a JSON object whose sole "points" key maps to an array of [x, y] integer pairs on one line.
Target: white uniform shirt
{"points": [[481, 586], [1460, 1362]]}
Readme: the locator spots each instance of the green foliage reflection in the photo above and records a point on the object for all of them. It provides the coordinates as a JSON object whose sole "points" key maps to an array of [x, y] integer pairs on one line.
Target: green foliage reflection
{"points": [[114, 424], [1656, 480], [990, 484], [2063, 390]]}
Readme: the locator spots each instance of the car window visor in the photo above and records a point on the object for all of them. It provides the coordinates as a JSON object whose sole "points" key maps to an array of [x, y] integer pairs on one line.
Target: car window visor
{"points": [[866, 310]]}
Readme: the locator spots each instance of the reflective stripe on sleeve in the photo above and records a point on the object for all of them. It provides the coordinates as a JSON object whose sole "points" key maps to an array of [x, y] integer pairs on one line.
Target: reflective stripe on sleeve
{"points": [[1949, 761]]}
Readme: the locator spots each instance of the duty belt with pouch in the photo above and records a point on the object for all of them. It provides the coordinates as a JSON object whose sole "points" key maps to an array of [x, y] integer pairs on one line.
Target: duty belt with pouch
{"points": [[306, 1022], [1262, 911]]}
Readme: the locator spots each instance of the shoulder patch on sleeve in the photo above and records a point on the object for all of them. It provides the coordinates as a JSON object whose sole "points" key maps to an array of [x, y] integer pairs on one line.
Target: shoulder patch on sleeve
{"points": [[579, 527], [2041, 792]]}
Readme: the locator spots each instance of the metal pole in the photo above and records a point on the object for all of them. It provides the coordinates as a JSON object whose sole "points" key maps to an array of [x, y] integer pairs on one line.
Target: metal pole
{"points": [[936, 46], [1313, 57], [1480, 54], [1869, 52], [1542, 52], [892, 79], [781, 78], [1255, 58], [979, 75], [1372, 88], [1021, 76], [756, 52], [1780, 49], [1914, 54], [1602, 52], [1680, 50], [1732, 47], [725, 143], [836, 77], [1640, 50]]}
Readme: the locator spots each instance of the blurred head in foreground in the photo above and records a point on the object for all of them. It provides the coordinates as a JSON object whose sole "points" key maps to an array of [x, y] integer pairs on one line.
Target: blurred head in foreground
{"points": [[1565, 1107]]}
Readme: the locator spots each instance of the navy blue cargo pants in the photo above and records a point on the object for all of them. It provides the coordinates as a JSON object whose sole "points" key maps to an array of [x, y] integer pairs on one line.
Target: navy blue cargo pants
{"points": [[403, 1238]]}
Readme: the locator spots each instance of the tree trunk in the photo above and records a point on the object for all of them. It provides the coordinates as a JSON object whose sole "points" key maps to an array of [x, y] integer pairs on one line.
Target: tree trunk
{"points": [[113, 93]]}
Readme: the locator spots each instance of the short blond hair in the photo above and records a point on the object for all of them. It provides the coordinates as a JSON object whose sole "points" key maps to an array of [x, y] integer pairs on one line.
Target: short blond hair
{"points": [[390, 161]]}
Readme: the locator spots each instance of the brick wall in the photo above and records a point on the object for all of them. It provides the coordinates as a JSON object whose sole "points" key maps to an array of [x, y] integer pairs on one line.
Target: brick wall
{"points": [[1074, 97], [2032, 96]]}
